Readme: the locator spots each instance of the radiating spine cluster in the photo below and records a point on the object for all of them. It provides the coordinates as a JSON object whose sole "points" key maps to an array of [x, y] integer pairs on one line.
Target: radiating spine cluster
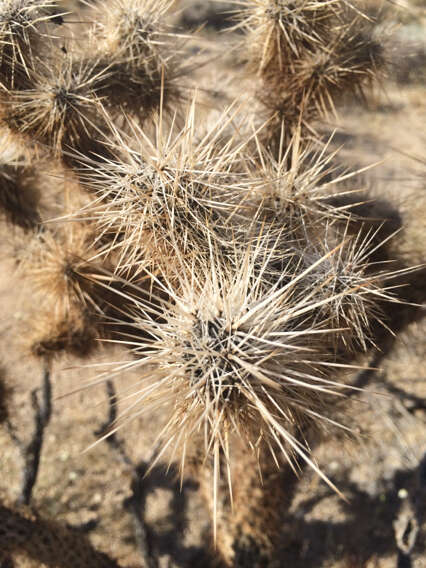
{"points": [[308, 55]]}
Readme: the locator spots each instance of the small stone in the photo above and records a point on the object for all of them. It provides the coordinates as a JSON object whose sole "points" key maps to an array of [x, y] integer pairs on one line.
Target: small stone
{"points": [[97, 498], [402, 493]]}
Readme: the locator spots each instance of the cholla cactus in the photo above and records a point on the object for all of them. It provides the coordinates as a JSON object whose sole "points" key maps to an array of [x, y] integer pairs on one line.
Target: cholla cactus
{"points": [[237, 357], [65, 103], [62, 270], [176, 190], [231, 266], [135, 30], [38, 539], [62, 107], [142, 55], [245, 351], [24, 24], [279, 31], [308, 55]]}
